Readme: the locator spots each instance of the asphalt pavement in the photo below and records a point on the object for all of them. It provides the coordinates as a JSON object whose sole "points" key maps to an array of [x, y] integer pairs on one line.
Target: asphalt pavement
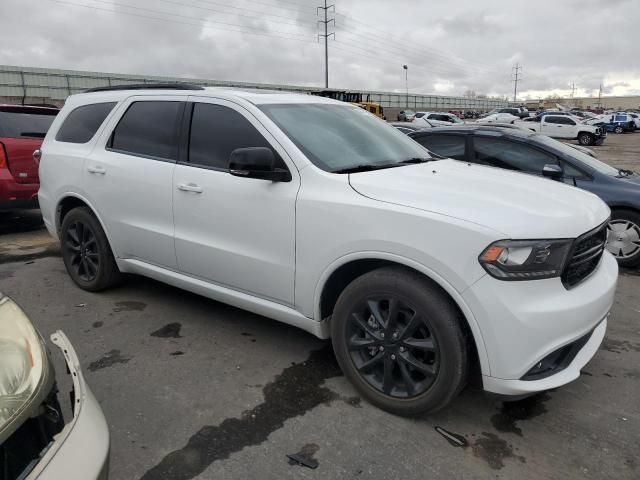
{"points": [[193, 388]]}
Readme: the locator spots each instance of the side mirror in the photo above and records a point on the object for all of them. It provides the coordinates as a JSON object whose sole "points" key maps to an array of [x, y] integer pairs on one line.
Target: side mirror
{"points": [[552, 171], [256, 162]]}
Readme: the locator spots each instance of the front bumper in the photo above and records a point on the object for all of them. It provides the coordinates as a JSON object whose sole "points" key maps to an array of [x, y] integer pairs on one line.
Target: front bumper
{"points": [[524, 322], [81, 450]]}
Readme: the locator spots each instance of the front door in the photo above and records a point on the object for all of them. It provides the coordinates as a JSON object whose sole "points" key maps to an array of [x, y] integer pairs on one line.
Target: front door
{"points": [[233, 231]]}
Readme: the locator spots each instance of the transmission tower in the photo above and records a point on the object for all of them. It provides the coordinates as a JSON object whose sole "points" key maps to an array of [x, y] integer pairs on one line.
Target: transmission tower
{"points": [[516, 75], [325, 10]]}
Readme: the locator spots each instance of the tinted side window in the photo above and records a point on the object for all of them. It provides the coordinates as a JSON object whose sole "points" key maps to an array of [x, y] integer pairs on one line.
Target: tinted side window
{"points": [[83, 122], [511, 155], [216, 131], [149, 129], [451, 146], [564, 121]]}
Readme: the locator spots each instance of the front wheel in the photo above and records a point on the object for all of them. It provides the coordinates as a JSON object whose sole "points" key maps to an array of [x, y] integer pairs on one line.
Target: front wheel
{"points": [[86, 252], [618, 129], [623, 237], [586, 139], [398, 339]]}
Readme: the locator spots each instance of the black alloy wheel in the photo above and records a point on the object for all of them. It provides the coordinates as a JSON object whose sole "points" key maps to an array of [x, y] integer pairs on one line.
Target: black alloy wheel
{"points": [[86, 251], [82, 249], [400, 340], [393, 347]]}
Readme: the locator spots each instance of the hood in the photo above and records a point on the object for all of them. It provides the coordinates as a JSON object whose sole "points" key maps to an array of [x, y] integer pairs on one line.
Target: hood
{"points": [[518, 205]]}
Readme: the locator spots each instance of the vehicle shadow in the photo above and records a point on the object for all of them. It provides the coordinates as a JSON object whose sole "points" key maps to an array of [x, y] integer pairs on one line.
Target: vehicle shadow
{"points": [[20, 221]]}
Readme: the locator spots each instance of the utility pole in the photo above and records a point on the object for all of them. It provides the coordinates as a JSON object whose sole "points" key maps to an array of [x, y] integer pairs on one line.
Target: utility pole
{"points": [[573, 92], [326, 36], [600, 97], [406, 81], [516, 73]]}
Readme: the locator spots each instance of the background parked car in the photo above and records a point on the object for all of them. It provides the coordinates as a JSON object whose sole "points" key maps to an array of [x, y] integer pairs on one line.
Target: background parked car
{"points": [[495, 117], [408, 127], [529, 152], [614, 122], [22, 129], [35, 442], [636, 120], [565, 126], [406, 115], [437, 118]]}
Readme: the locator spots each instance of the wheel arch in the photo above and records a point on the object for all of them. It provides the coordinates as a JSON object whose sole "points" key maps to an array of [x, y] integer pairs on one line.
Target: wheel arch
{"points": [[349, 267], [72, 200]]}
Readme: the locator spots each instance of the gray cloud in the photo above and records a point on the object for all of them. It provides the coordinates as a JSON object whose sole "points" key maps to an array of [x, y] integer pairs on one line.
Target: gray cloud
{"points": [[450, 47]]}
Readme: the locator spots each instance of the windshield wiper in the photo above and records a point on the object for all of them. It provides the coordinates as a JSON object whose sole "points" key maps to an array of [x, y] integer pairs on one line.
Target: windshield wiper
{"points": [[409, 161], [366, 168], [625, 173], [33, 134]]}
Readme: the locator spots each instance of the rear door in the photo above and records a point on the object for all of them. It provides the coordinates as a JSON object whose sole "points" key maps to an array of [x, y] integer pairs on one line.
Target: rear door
{"points": [[128, 177], [21, 132]]}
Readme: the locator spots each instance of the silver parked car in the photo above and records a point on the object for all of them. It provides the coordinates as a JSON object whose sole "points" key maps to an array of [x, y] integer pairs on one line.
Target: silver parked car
{"points": [[35, 440]]}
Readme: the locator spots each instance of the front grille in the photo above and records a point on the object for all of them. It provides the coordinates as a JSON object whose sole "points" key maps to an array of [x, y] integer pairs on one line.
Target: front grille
{"points": [[585, 257]]}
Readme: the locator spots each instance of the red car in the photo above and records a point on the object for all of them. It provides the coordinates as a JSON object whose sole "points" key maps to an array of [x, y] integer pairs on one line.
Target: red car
{"points": [[22, 128]]}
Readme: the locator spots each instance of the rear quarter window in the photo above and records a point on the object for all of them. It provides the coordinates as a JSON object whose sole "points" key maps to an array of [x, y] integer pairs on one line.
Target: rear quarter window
{"points": [[83, 122]]}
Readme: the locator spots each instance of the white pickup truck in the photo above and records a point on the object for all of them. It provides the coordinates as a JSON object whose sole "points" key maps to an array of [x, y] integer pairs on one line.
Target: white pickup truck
{"points": [[564, 126]]}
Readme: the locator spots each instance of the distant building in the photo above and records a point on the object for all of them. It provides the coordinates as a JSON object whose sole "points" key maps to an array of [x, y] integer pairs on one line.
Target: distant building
{"points": [[606, 103], [27, 85]]}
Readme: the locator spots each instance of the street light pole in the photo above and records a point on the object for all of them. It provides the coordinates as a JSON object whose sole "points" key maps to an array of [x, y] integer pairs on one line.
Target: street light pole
{"points": [[406, 81]]}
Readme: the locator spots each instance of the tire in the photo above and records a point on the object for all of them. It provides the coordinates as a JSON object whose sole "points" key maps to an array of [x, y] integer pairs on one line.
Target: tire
{"points": [[618, 129], [586, 138], [623, 240], [86, 252], [434, 353]]}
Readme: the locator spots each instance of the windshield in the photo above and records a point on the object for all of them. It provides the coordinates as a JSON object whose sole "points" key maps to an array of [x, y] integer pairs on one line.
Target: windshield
{"points": [[338, 137], [578, 155], [18, 124]]}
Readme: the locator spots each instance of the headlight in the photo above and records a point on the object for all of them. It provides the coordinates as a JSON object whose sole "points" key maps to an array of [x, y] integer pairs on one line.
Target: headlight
{"points": [[23, 364], [525, 259]]}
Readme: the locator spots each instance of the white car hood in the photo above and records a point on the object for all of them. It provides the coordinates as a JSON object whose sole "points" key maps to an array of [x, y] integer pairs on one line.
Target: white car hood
{"points": [[518, 205]]}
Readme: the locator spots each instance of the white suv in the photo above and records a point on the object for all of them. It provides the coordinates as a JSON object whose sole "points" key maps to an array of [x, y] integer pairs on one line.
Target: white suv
{"points": [[320, 215]]}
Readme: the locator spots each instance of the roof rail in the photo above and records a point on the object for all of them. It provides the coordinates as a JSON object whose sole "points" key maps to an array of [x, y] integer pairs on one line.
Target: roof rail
{"points": [[147, 86]]}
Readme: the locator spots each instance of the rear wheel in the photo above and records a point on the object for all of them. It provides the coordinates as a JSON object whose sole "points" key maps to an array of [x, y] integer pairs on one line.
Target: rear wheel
{"points": [[86, 252], [586, 138], [618, 129], [623, 237], [397, 338]]}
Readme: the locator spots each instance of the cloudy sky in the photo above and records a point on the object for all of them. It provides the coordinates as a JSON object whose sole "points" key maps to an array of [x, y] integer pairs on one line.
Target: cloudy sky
{"points": [[450, 47]]}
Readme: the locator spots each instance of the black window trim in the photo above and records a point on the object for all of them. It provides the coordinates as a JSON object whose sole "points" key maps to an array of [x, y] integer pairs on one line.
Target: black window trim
{"points": [[185, 138], [105, 120], [177, 133]]}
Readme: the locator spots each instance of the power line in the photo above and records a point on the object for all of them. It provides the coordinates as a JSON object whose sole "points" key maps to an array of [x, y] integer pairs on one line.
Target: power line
{"points": [[326, 36], [403, 42], [515, 75], [257, 14], [204, 25]]}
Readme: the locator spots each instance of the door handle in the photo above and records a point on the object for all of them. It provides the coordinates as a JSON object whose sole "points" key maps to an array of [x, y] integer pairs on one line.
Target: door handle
{"points": [[97, 170], [190, 187]]}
